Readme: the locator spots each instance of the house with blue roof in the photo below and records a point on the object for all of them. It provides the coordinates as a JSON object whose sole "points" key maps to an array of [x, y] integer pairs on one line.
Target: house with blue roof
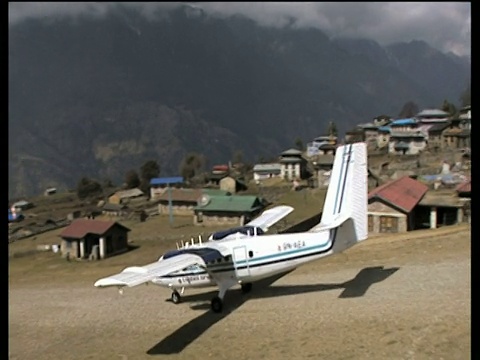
{"points": [[405, 137], [159, 185]]}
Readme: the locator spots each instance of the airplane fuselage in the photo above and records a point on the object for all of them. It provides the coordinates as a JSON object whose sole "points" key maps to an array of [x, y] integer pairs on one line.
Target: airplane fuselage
{"points": [[254, 258]]}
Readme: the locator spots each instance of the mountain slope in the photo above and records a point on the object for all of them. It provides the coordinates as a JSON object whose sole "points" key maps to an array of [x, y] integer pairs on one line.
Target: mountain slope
{"points": [[100, 97]]}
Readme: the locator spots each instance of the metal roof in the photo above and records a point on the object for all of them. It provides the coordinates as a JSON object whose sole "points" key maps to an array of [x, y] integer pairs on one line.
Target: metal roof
{"points": [[403, 193], [432, 112], [123, 194], [292, 152], [268, 167], [186, 195], [465, 187], [439, 127], [401, 122], [166, 180], [81, 227], [290, 159], [232, 203]]}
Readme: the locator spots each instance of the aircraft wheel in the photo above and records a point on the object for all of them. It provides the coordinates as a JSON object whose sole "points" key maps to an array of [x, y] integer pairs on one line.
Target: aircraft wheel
{"points": [[246, 287], [216, 304], [176, 298]]}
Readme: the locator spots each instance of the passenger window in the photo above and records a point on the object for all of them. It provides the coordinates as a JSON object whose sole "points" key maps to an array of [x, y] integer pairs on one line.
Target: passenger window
{"points": [[250, 253]]}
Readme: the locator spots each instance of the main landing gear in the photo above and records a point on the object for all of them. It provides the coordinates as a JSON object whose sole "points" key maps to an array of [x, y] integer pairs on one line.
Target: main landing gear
{"points": [[217, 302], [246, 287]]}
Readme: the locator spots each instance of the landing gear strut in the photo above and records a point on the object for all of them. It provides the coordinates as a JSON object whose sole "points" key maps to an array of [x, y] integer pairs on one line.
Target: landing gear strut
{"points": [[176, 298]]}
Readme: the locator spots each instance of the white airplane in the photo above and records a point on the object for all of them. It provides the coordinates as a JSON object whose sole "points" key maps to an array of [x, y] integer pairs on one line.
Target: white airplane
{"points": [[246, 259]]}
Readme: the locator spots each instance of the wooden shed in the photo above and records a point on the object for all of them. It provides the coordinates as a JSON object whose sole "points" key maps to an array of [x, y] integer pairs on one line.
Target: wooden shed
{"points": [[93, 239]]}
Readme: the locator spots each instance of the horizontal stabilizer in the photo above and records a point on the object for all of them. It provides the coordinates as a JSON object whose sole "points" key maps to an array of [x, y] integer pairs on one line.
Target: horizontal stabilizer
{"points": [[271, 216], [339, 220]]}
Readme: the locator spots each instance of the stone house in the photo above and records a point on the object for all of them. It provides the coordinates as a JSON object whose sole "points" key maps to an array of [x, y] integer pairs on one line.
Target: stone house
{"points": [[267, 171], [293, 165], [391, 206], [230, 210]]}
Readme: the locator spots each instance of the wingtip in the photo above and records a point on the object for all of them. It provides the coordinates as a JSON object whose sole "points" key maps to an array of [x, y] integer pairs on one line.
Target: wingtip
{"points": [[108, 282]]}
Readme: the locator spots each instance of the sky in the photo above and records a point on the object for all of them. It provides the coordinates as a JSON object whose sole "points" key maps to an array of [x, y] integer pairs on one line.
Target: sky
{"points": [[444, 25]]}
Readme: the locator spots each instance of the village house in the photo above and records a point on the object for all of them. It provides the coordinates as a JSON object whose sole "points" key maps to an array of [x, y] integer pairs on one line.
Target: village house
{"points": [[93, 239], [391, 206], [322, 145], [465, 113], [406, 143], [183, 201], [464, 189], [21, 205], [267, 171], [353, 136], [382, 120], [322, 166], [230, 210], [217, 173], [50, 191], [232, 185], [456, 138], [178, 201], [435, 136], [114, 210], [432, 116], [125, 196], [405, 138], [437, 209], [370, 133], [293, 165], [159, 185], [383, 137]]}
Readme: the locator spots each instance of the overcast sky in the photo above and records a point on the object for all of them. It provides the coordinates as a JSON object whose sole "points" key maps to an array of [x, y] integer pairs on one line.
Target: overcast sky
{"points": [[444, 25]]}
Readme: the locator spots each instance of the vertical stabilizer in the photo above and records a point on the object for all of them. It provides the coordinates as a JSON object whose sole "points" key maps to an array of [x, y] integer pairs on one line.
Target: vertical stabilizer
{"points": [[347, 193]]}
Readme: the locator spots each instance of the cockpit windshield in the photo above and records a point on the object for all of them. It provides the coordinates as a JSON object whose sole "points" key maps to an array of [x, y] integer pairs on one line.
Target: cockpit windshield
{"points": [[246, 230]]}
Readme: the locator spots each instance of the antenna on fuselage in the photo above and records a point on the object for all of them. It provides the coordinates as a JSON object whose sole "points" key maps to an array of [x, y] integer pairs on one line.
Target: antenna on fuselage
{"points": [[200, 239]]}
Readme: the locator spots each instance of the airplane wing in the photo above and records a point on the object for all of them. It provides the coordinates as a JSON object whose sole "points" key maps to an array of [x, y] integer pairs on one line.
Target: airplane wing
{"points": [[271, 216], [172, 261]]}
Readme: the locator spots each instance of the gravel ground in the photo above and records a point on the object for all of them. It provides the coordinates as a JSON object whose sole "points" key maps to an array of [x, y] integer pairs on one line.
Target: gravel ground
{"points": [[392, 297]]}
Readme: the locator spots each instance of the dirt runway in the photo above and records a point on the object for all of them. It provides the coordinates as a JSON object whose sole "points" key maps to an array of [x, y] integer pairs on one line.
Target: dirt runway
{"points": [[395, 297]]}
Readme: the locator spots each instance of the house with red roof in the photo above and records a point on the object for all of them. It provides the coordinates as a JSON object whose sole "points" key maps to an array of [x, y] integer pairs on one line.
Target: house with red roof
{"points": [[93, 239], [464, 189], [391, 206]]}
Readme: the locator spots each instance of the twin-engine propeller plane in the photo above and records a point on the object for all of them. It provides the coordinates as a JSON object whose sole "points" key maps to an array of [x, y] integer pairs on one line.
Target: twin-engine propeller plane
{"points": [[243, 259]]}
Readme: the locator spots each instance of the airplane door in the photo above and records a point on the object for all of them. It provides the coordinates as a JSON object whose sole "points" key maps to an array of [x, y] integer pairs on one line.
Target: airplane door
{"points": [[240, 259]]}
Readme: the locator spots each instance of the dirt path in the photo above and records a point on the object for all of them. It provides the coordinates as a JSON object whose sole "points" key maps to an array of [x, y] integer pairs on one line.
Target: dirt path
{"points": [[392, 297]]}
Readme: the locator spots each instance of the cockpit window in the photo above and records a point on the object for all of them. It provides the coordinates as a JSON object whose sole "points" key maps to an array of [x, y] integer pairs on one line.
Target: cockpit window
{"points": [[246, 230]]}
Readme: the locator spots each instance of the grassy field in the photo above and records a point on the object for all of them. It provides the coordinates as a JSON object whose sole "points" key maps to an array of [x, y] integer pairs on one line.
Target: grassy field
{"points": [[149, 240]]}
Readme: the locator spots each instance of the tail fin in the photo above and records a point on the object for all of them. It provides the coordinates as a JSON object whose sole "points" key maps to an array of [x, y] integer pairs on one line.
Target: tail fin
{"points": [[346, 200]]}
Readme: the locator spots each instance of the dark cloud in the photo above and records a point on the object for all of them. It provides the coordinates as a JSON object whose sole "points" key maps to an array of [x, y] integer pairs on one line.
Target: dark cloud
{"points": [[444, 25]]}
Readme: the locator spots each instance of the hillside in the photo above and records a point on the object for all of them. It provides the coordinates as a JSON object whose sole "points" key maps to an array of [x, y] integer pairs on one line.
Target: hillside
{"points": [[98, 98]]}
